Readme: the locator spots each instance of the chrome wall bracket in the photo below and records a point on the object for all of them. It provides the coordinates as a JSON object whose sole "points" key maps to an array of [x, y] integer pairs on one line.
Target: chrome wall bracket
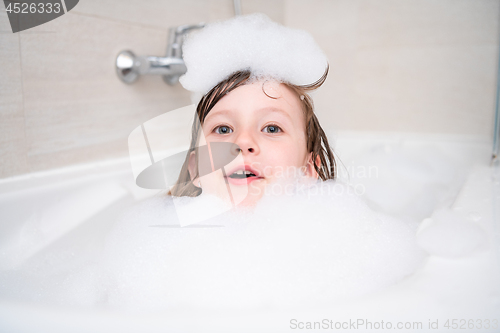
{"points": [[129, 66]]}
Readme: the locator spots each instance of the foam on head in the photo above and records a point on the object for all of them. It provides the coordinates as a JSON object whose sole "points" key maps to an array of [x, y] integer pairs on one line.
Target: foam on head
{"points": [[252, 42]]}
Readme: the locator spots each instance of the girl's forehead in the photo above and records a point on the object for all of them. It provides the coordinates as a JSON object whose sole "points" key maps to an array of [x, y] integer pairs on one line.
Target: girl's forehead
{"points": [[258, 95]]}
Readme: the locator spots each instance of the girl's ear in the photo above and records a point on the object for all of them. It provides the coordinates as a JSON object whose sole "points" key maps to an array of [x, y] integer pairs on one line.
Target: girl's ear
{"points": [[192, 166], [310, 170]]}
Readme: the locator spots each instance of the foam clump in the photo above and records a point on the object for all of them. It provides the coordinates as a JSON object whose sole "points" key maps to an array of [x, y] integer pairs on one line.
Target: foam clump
{"points": [[314, 246], [449, 234], [250, 42]]}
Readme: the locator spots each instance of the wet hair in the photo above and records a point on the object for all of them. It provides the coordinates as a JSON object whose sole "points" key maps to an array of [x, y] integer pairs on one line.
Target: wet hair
{"points": [[317, 142]]}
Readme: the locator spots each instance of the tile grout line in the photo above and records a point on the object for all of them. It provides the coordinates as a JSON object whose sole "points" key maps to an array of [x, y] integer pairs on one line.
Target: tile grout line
{"points": [[134, 24], [23, 103]]}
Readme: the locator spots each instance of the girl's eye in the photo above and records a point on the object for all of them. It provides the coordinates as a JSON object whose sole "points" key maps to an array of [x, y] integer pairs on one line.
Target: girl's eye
{"points": [[272, 129], [223, 130]]}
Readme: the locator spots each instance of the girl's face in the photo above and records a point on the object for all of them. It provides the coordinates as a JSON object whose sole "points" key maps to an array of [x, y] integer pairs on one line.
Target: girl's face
{"points": [[270, 133]]}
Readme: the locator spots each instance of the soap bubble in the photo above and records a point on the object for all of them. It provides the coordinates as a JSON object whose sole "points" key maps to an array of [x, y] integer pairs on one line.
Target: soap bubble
{"points": [[251, 42], [449, 234], [315, 245]]}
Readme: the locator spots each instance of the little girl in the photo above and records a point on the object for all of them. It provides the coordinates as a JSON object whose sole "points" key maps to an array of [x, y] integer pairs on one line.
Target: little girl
{"points": [[258, 107], [253, 126]]}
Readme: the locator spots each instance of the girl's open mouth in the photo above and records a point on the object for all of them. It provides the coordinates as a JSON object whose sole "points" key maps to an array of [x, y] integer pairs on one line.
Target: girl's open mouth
{"points": [[242, 175]]}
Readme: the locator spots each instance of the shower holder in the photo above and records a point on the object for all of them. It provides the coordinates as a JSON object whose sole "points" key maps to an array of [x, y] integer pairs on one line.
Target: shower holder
{"points": [[129, 66]]}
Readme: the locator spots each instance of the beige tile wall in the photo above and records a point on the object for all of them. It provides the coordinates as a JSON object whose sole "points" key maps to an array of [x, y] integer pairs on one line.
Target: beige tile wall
{"points": [[395, 65], [404, 65], [12, 135], [60, 100]]}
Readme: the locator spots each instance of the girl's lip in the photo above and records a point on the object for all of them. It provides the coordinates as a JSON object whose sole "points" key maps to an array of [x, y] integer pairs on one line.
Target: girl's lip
{"points": [[243, 181], [243, 167]]}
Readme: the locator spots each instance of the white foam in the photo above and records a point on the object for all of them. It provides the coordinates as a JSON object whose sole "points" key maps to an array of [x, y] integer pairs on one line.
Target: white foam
{"points": [[250, 42], [316, 245], [319, 249], [449, 234]]}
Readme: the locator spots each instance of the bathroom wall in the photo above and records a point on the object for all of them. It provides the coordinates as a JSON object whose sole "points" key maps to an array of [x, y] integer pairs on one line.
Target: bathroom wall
{"points": [[396, 65], [61, 102], [405, 65]]}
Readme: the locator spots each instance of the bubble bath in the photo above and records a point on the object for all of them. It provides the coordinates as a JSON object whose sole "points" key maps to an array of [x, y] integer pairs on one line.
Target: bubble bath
{"points": [[320, 244], [93, 252]]}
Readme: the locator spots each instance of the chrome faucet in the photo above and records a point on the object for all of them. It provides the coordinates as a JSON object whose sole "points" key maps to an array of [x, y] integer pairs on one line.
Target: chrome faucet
{"points": [[129, 67]]}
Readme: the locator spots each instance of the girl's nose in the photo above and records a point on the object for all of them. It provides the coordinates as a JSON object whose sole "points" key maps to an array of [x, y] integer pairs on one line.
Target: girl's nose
{"points": [[247, 144]]}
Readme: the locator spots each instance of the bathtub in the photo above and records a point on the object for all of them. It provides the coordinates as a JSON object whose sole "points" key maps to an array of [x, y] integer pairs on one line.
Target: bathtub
{"points": [[59, 218]]}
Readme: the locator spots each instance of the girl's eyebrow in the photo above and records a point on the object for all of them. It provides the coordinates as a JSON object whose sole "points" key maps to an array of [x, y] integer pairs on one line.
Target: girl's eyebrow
{"points": [[277, 110], [266, 110], [217, 113]]}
